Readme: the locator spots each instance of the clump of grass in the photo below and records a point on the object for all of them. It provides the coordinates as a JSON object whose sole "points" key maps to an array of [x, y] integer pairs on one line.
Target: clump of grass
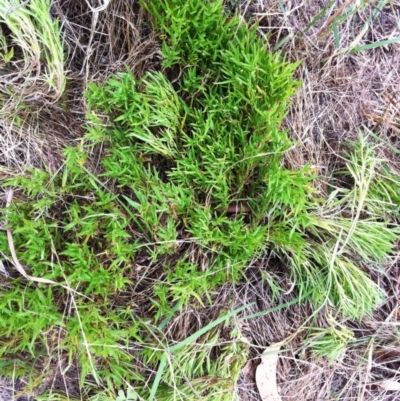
{"points": [[192, 181], [32, 59], [32, 79], [349, 233], [330, 342]]}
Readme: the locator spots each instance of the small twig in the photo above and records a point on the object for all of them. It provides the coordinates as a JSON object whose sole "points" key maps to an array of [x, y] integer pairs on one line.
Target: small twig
{"points": [[18, 265], [238, 208]]}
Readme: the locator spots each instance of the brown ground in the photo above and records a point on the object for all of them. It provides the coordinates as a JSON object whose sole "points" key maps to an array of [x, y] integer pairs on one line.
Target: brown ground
{"points": [[340, 95]]}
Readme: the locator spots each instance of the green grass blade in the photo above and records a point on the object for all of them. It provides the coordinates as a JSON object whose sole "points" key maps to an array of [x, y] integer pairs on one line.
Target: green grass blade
{"points": [[167, 318], [279, 307], [386, 143], [283, 41], [375, 45], [187, 341], [157, 379], [320, 15], [336, 35], [170, 315], [209, 326]]}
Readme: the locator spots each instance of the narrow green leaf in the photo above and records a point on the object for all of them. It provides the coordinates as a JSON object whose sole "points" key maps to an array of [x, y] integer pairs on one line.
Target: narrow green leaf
{"points": [[320, 15], [336, 35], [211, 325], [157, 379], [375, 45], [279, 307]]}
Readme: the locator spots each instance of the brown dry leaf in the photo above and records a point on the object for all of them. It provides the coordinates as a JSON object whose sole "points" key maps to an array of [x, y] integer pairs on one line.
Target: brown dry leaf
{"points": [[248, 370], [266, 374], [390, 385]]}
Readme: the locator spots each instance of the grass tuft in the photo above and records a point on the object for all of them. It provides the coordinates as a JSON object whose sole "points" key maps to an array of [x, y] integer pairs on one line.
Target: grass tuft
{"points": [[32, 62]]}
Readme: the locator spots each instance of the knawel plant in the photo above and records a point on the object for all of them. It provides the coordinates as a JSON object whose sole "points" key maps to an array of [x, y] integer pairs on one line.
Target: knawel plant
{"points": [[191, 189]]}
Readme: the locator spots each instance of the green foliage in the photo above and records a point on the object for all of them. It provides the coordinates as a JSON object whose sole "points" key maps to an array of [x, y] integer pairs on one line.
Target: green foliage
{"points": [[192, 182], [194, 373], [347, 234], [178, 158], [31, 48], [185, 154], [330, 342]]}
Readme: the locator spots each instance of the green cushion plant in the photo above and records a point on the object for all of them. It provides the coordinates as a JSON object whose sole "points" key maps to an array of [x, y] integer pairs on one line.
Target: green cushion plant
{"points": [[192, 181]]}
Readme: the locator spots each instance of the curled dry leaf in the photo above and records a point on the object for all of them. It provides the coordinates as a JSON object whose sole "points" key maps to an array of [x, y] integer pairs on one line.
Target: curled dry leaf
{"points": [[266, 374]]}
